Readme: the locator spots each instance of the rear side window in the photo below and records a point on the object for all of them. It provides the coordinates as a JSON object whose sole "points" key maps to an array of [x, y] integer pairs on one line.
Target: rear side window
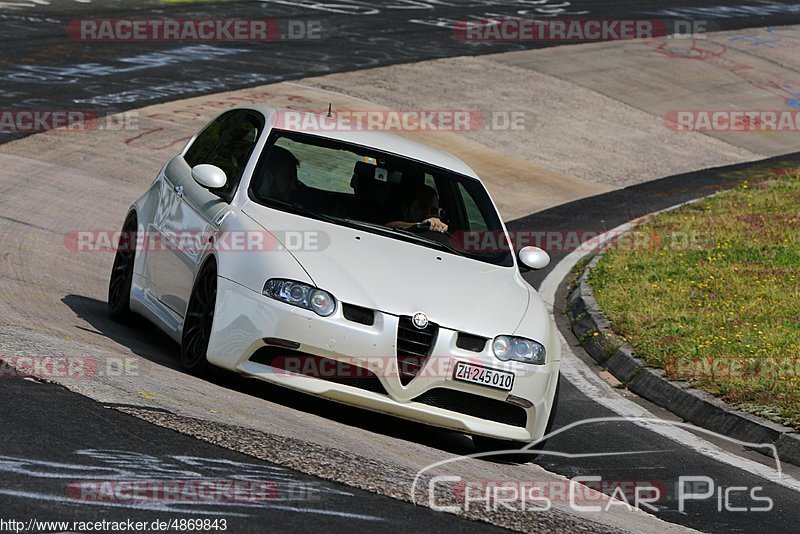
{"points": [[227, 143]]}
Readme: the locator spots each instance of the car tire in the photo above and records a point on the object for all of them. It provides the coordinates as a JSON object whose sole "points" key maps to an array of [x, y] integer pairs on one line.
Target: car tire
{"points": [[485, 444], [199, 321], [121, 280]]}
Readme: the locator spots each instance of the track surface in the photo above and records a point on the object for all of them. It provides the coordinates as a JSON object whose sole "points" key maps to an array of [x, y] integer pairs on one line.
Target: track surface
{"points": [[35, 278], [96, 443], [40, 68]]}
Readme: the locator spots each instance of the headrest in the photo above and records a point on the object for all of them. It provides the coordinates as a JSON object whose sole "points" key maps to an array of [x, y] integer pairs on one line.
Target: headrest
{"points": [[413, 179], [362, 173]]}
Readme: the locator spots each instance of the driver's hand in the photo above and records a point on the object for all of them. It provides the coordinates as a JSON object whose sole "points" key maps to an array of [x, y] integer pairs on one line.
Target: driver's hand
{"points": [[436, 224]]}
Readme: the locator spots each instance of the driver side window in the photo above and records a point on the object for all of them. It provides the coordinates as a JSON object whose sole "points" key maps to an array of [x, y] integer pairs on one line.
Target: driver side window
{"points": [[227, 143]]}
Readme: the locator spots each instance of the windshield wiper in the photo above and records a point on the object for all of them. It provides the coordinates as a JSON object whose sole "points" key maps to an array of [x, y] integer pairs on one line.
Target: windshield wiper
{"points": [[439, 244], [416, 237], [299, 210]]}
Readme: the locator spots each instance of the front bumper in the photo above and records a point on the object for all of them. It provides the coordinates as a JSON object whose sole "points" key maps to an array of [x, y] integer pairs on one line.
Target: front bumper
{"points": [[244, 319]]}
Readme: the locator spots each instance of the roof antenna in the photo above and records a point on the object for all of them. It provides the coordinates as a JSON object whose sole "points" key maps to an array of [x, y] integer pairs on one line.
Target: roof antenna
{"points": [[329, 110]]}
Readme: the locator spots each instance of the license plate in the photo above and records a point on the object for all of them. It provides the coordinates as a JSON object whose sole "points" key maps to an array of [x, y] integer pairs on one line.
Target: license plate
{"points": [[466, 372]]}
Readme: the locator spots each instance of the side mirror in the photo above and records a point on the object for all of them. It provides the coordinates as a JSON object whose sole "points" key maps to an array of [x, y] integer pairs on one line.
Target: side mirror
{"points": [[534, 257], [209, 176]]}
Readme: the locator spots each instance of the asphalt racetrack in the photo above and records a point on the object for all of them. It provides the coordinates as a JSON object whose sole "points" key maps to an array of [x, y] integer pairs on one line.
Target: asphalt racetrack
{"points": [[45, 67], [43, 449]]}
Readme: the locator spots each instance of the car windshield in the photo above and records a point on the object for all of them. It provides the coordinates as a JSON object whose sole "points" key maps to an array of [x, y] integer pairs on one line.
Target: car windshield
{"points": [[381, 193]]}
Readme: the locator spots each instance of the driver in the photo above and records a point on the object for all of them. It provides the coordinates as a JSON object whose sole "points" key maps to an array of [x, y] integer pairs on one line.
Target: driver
{"points": [[422, 208]]}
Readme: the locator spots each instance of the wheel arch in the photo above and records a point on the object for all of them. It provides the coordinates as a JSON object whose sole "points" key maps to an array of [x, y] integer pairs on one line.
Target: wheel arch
{"points": [[208, 258]]}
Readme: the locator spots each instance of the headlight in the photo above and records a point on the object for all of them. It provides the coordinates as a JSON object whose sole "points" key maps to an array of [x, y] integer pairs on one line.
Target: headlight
{"points": [[518, 349], [302, 295]]}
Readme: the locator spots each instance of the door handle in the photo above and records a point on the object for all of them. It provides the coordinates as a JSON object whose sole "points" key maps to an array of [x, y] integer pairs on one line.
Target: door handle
{"points": [[179, 190]]}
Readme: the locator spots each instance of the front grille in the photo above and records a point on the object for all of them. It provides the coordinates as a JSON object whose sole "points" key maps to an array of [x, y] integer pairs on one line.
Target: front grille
{"points": [[470, 342], [357, 314], [319, 367], [475, 405], [413, 347]]}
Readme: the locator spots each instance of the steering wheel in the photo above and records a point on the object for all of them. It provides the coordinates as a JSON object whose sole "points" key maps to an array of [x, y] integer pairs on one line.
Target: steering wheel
{"points": [[423, 226], [424, 230]]}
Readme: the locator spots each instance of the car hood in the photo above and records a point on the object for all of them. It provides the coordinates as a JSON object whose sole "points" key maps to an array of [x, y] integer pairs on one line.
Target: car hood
{"points": [[402, 278]]}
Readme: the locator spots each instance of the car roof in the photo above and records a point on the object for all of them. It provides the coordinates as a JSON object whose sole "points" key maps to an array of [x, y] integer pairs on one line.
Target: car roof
{"points": [[379, 140]]}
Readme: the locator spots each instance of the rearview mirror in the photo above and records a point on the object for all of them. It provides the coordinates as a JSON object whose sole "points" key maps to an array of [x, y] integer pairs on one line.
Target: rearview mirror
{"points": [[534, 257], [209, 176]]}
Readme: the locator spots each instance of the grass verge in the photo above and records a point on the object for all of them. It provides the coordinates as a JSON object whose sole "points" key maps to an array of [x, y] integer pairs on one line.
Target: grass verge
{"points": [[711, 294]]}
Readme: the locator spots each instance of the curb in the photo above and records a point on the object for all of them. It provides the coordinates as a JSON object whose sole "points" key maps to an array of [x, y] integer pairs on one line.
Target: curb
{"points": [[594, 333]]}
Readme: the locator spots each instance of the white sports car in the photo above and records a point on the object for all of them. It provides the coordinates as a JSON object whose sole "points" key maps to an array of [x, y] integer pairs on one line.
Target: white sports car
{"points": [[358, 266]]}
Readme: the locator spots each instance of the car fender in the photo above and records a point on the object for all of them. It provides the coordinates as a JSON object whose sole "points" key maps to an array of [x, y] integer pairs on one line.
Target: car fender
{"points": [[252, 268]]}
